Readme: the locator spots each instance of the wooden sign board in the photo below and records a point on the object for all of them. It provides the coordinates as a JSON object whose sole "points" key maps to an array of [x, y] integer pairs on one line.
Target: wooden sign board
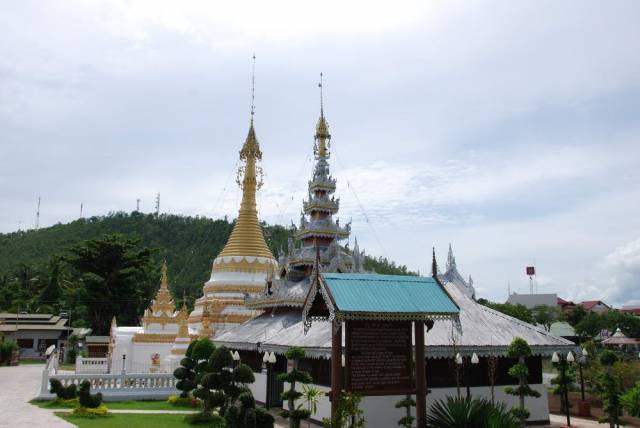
{"points": [[378, 357]]}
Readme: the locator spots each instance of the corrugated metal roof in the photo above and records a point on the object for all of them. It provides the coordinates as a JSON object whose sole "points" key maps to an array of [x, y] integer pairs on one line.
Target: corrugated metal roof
{"points": [[483, 330], [388, 293]]}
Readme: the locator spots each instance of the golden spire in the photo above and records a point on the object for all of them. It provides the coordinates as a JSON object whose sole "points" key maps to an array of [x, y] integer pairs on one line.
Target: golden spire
{"points": [[247, 238], [183, 329], [322, 129], [164, 282], [205, 330]]}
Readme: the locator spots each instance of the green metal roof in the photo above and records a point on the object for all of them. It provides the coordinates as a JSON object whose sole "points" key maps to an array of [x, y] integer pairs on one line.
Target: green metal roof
{"points": [[388, 294]]}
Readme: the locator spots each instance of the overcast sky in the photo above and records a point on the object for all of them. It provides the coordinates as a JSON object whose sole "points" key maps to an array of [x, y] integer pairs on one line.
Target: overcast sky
{"points": [[509, 129]]}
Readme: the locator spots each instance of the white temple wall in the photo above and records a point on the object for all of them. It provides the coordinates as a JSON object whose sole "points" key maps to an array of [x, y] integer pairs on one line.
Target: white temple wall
{"points": [[138, 355], [380, 411], [259, 387], [162, 328]]}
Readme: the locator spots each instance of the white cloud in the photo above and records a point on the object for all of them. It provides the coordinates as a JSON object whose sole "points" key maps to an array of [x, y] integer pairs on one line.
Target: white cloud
{"points": [[623, 266]]}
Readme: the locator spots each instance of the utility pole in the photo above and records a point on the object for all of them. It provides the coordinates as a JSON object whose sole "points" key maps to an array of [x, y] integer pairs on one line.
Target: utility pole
{"points": [[38, 215]]}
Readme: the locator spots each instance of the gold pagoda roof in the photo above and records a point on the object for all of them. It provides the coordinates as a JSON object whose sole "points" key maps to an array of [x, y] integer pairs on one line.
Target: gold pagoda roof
{"points": [[247, 237]]}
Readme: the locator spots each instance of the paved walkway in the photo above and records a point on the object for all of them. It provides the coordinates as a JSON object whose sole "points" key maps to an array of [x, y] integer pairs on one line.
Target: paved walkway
{"points": [[560, 421], [19, 385]]}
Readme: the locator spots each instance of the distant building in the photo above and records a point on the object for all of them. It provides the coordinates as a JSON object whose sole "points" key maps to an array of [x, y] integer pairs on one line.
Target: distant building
{"points": [[597, 306], [34, 333], [565, 305], [97, 346], [621, 341], [533, 300], [635, 310], [563, 329]]}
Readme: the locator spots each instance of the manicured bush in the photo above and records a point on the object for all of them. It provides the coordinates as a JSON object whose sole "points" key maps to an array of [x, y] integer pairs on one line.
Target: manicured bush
{"points": [[179, 401], [520, 349], [91, 411], [63, 392], [406, 403], [86, 398], [294, 413]]}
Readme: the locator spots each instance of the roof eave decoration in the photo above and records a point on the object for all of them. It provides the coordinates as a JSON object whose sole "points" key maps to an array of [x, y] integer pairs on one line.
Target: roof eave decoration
{"points": [[317, 284]]}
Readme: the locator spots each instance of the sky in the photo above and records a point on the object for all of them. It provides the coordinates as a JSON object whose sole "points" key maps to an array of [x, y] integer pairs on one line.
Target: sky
{"points": [[509, 129]]}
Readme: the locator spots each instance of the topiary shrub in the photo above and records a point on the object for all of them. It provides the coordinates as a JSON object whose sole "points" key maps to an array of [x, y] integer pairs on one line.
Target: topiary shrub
{"points": [[186, 376], [86, 398], [406, 403], [520, 349], [63, 392], [294, 413]]}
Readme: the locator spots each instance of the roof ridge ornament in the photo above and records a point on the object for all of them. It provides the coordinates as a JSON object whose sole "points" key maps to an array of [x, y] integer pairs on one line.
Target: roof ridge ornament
{"points": [[322, 137], [434, 264]]}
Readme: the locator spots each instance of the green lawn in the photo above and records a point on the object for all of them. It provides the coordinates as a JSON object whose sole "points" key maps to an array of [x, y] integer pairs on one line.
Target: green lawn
{"points": [[128, 421], [119, 405]]}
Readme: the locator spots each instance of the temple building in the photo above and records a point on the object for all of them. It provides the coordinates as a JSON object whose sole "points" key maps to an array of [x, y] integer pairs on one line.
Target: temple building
{"points": [[146, 348], [317, 238], [245, 262], [459, 353]]}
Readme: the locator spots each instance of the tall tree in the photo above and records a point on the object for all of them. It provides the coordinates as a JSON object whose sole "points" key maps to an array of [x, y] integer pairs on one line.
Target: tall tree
{"points": [[116, 277], [544, 315]]}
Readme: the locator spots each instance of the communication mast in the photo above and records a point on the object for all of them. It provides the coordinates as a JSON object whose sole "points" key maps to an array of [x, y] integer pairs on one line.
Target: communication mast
{"points": [[138, 205], [81, 203], [157, 204], [38, 215], [531, 272]]}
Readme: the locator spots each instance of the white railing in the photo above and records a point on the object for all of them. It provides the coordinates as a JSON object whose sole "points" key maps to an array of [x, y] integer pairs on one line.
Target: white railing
{"points": [[92, 365], [116, 386]]}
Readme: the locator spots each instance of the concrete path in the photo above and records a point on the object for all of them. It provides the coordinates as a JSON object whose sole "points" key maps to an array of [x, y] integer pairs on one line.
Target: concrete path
{"points": [[560, 421], [20, 384]]}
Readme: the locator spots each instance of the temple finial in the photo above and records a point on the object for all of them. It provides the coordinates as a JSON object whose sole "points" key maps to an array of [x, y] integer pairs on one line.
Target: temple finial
{"points": [[451, 260], [253, 88], [434, 264], [164, 281], [321, 98], [322, 137]]}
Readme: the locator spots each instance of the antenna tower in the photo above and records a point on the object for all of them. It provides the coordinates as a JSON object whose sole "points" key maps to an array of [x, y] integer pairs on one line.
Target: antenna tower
{"points": [[138, 204], [81, 209], [38, 215], [157, 204]]}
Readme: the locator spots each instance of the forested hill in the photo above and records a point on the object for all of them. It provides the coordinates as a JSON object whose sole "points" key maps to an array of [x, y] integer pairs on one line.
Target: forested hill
{"points": [[189, 245]]}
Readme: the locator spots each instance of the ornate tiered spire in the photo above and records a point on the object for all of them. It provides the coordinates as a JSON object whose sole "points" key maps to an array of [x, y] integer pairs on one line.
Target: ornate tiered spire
{"points": [[321, 205], [162, 307], [247, 238], [205, 329], [451, 260], [322, 136]]}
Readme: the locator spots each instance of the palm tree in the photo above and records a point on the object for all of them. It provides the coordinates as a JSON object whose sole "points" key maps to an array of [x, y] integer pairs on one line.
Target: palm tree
{"points": [[312, 396]]}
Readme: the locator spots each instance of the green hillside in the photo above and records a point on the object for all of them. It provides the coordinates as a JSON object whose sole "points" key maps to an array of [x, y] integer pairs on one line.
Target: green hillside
{"points": [[189, 245]]}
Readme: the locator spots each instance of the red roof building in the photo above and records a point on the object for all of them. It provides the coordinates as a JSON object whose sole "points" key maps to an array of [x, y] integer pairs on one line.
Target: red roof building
{"points": [[597, 306]]}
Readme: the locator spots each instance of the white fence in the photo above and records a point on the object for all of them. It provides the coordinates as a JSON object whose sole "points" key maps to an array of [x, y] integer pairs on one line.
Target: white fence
{"points": [[114, 387], [92, 365]]}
